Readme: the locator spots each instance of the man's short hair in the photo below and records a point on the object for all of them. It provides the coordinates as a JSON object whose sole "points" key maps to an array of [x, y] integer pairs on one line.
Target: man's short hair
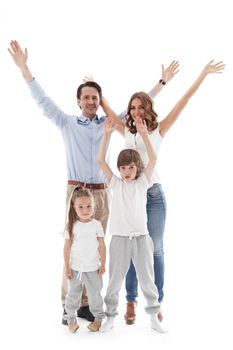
{"points": [[92, 84]]}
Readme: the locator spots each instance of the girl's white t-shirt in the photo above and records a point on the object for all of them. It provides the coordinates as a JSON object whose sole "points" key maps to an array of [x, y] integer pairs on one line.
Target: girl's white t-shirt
{"points": [[84, 254]]}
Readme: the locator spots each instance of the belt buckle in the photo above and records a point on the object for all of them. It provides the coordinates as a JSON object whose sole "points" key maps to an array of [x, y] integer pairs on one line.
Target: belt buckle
{"points": [[88, 186]]}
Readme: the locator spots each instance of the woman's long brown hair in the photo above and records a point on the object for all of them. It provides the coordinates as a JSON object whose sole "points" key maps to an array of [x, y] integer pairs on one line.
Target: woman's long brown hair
{"points": [[150, 115]]}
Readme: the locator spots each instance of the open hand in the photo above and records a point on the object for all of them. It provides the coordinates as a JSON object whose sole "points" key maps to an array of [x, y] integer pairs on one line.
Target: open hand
{"points": [[19, 56], [87, 78], [214, 68], [170, 71]]}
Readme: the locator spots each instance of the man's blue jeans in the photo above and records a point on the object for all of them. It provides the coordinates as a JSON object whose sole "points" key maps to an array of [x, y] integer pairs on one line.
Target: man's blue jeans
{"points": [[156, 216]]}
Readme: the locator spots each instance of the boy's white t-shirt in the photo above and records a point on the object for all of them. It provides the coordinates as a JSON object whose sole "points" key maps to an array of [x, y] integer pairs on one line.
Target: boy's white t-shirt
{"points": [[84, 254], [128, 215]]}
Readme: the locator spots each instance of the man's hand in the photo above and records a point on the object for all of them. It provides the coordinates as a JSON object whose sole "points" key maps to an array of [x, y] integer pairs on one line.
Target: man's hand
{"points": [[19, 57], [87, 78]]}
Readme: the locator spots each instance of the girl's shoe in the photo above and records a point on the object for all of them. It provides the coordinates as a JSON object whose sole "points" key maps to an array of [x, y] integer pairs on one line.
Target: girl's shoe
{"points": [[94, 326], [73, 327]]}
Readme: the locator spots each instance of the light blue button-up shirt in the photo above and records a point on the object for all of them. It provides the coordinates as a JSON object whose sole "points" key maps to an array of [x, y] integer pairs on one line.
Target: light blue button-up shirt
{"points": [[82, 138]]}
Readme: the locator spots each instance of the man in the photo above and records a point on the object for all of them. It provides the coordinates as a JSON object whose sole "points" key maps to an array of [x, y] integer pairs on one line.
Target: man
{"points": [[82, 136]]}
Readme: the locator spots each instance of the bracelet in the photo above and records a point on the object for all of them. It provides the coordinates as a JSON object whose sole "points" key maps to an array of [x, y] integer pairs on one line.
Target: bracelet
{"points": [[162, 82]]}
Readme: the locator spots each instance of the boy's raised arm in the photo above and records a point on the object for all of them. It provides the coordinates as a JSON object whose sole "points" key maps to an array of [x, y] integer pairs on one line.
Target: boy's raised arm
{"points": [[142, 130], [108, 129]]}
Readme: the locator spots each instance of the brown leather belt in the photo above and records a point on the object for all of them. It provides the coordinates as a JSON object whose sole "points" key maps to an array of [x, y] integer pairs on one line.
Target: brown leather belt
{"points": [[86, 185]]}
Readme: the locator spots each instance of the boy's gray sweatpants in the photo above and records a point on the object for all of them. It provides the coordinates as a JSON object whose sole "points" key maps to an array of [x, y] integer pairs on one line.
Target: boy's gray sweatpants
{"points": [[94, 284], [140, 250]]}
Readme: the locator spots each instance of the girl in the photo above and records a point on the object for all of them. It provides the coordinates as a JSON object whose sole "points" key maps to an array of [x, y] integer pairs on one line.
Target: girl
{"points": [[84, 255], [128, 226]]}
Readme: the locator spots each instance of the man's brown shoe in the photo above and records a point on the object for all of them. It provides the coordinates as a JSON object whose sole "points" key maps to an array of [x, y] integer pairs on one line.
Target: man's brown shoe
{"points": [[130, 315]]}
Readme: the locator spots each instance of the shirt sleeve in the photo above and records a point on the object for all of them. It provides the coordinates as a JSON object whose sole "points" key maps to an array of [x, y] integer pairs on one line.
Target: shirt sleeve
{"points": [[100, 230], [49, 107], [113, 182]]}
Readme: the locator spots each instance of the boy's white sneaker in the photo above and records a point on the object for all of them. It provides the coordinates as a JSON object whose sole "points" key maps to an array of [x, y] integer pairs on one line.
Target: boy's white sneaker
{"points": [[108, 324], [156, 324]]}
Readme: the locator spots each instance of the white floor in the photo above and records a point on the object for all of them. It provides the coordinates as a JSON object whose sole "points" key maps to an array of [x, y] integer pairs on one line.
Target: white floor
{"points": [[196, 314], [189, 328]]}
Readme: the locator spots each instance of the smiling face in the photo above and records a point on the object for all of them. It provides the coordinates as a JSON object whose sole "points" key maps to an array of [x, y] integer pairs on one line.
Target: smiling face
{"points": [[137, 109], [89, 101], [84, 208], [141, 106]]}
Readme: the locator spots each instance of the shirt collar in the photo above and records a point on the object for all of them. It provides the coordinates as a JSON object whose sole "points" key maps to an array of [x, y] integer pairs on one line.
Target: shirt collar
{"points": [[85, 120]]}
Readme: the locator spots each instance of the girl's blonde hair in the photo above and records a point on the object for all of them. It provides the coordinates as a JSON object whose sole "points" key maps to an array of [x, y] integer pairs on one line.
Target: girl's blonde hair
{"points": [[72, 215]]}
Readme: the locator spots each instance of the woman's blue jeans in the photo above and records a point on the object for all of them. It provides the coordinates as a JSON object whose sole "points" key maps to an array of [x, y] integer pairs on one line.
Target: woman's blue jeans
{"points": [[156, 216]]}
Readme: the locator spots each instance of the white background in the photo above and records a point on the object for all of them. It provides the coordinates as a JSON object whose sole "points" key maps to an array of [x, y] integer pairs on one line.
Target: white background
{"points": [[122, 44]]}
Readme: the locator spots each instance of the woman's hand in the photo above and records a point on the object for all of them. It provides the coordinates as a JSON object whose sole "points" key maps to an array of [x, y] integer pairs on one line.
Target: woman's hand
{"points": [[170, 71]]}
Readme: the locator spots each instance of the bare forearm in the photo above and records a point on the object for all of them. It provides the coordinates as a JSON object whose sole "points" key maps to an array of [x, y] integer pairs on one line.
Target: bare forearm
{"points": [[67, 257], [175, 112], [111, 114], [166, 124], [149, 149], [103, 148], [26, 73], [156, 90], [102, 254], [191, 91], [108, 110], [102, 155]]}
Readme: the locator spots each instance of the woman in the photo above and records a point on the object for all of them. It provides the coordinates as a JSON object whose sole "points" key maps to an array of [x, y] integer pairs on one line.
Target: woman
{"points": [[141, 106]]}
